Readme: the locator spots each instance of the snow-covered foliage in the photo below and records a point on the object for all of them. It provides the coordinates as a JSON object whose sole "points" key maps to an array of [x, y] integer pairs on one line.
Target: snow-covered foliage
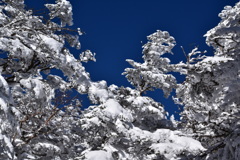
{"points": [[62, 10], [40, 115], [35, 112], [211, 91], [87, 56], [8, 126], [127, 125], [153, 72]]}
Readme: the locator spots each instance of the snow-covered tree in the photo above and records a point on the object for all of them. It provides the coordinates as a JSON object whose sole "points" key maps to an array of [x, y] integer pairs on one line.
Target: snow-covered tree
{"points": [[40, 110], [122, 123], [210, 93], [32, 47], [9, 128], [127, 125], [153, 72]]}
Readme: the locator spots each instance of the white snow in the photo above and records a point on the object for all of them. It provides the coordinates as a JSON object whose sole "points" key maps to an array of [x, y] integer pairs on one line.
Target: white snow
{"points": [[113, 109], [4, 86], [216, 59], [166, 142], [174, 143], [26, 83], [38, 88], [3, 105], [98, 91], [94, 120], [140, 101], [98, 155], [3, 93], [52, 43]]}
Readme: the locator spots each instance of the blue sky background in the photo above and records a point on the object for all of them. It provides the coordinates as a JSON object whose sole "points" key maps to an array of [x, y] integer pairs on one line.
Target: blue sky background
{"points": [[115, 29]]}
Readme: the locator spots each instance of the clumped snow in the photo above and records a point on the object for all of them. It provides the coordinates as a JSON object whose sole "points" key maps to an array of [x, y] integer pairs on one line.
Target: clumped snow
{"points": [[98, 92], [216, 59], [114, 109], [98, 155], [52, 43]]}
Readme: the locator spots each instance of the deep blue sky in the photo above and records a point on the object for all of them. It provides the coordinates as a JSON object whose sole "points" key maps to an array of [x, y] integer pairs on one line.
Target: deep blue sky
{"points": [[115, 28]]}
